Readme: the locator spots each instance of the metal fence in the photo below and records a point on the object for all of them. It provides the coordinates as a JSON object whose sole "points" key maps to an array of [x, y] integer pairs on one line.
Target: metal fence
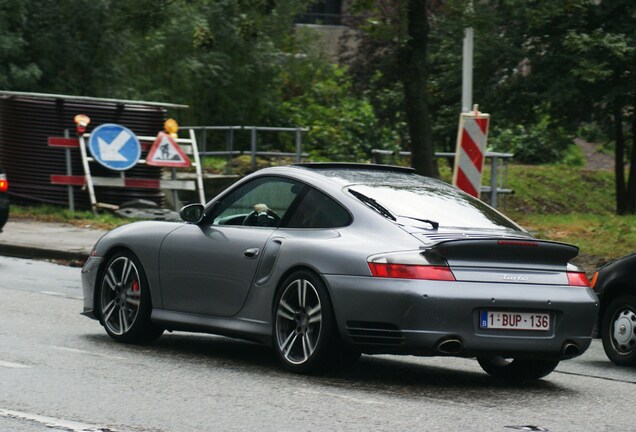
{"points": [[230, 143]]}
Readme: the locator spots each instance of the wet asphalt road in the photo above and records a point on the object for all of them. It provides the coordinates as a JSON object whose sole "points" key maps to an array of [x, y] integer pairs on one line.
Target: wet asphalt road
{"points": [[60, 371]]}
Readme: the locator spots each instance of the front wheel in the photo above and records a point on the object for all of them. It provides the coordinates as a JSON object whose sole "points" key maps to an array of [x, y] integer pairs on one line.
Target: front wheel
{"points": [[124, 300], [618, 330], [517, 369], [304, 328]]}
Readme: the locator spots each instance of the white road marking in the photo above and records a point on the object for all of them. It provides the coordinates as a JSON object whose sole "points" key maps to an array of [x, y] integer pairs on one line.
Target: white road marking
{"points": [[79, 351], [55, 423], [348, 398], [57, 294], [12, 365]]}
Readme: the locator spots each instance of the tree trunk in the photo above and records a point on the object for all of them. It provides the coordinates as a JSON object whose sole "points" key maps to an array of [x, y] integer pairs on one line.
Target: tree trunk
{"points": [[630, 198], [619, 167], [413, 75]]}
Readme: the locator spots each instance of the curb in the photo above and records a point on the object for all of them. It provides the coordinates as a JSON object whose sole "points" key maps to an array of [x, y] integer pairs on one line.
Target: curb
{"points": [[40, 253]]}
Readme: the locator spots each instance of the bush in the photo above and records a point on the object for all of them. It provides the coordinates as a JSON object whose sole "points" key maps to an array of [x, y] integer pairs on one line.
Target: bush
{"points": [[343, 124], [540, 143]]}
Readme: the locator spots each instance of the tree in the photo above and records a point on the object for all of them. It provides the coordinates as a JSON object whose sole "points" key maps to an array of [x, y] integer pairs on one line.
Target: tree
{"points": [[413, 73], [222, 57], [605, 66], [16, 71], [397, 37], [582, 56], [234, 62], [536, 64]]}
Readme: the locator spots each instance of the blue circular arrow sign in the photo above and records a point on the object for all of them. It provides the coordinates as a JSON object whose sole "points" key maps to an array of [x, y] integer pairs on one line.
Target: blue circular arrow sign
{"points": [[114, 147]]}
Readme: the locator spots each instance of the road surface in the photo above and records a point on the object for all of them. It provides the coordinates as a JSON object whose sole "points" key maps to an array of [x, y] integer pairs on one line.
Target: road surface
{"points": [[60, 371]]}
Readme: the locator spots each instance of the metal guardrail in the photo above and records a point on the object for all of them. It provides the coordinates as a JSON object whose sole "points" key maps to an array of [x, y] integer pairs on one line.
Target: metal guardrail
{"points": [[229, 151], [498, 170]]}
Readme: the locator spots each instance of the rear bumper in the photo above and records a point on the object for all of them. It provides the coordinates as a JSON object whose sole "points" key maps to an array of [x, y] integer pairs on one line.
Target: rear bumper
{"points": [[412, 317]]}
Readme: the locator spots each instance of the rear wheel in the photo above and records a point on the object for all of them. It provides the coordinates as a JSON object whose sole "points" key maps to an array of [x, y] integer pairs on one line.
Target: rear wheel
{"points": [[618, 330], [304, 328], [517, 369], [124, 300]]}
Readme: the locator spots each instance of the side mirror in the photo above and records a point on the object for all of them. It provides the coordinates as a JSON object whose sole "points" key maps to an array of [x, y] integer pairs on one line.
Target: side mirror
{"points": [[192, 213]]}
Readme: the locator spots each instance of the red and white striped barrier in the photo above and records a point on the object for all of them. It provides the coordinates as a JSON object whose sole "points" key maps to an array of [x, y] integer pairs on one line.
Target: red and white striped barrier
{"points": [[471, 146]]}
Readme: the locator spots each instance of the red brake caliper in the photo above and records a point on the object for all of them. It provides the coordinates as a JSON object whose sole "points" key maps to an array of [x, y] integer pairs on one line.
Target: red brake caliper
{"points": [[135, 286]]}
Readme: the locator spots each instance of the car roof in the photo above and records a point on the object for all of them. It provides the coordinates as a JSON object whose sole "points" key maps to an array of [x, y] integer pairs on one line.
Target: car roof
{"points": [[333, 177], [338, 175], [345, 174], [347, 166]]}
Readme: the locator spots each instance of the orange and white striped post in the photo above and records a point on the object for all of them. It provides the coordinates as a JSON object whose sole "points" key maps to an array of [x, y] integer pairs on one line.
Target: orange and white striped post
{"points": [[472, 137]]}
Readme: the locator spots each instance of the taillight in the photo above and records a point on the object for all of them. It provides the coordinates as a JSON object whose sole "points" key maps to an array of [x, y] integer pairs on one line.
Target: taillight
{"points": [[578, 279], [4, 184], [409, 271]]}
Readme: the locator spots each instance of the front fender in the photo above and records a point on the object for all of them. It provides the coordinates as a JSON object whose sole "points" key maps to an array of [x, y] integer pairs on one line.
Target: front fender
{"points": [[144, 239]]}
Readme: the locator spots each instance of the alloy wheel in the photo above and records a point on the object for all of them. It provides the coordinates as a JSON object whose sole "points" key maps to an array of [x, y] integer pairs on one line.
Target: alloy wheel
{"points": [[298, 321], [120, 295]]}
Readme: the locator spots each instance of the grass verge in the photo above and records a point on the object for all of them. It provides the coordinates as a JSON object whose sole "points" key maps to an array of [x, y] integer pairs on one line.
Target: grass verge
{"points": [[85, 219]]}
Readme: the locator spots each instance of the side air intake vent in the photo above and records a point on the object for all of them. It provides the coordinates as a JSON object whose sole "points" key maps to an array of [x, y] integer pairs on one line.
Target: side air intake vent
{"points": [[376, 333]]}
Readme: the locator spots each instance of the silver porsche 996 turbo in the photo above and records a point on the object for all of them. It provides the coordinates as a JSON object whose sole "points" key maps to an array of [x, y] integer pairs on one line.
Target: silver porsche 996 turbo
{"points": [[327, 261]]}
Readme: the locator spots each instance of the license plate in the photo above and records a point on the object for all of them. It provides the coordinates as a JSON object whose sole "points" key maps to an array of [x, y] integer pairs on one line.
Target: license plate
{"points": [[514, 320]]}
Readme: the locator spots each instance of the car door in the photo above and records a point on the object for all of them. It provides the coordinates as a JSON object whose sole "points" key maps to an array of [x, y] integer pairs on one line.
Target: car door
{"points": [[209, 268]]}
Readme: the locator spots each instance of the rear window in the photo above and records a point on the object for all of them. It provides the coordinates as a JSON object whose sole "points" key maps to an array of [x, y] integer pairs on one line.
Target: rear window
{"points": [[424, 198]]}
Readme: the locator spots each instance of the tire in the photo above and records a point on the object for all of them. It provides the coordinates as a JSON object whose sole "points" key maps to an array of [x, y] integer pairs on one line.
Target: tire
{"points": [[124, 300], [618, 330], [304, 334], [517, 369]]}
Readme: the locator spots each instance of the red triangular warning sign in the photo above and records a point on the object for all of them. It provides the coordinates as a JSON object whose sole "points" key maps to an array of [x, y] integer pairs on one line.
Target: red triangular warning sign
{"points": [[166, 152]]}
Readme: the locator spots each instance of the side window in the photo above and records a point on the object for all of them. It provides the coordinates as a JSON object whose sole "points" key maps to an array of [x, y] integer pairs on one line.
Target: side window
{"points": [[317, 210], [261, 202]]}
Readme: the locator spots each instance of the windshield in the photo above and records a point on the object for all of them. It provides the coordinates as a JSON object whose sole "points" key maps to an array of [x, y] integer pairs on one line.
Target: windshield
{"points": [[434, 201]]}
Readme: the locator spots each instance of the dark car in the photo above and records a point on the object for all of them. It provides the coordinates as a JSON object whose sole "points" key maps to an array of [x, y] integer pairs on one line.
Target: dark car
{"points": [[4, 198], [327, 261], [615, 285]]}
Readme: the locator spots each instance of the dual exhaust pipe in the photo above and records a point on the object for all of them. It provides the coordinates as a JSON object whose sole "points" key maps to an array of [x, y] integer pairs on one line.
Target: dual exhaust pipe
{"points": [[453, 345], [570, 350], [450, 345]]}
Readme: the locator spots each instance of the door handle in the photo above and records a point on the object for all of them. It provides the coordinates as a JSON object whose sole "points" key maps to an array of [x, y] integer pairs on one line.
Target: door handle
{"points": [[251, 252]]}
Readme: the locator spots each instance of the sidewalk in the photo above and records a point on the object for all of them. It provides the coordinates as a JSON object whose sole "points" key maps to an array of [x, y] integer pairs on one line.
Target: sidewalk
{"points": [[43, 240]]}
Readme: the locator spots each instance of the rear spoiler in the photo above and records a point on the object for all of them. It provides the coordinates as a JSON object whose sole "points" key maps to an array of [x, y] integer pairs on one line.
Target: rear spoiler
{"points": [[505, 252]]}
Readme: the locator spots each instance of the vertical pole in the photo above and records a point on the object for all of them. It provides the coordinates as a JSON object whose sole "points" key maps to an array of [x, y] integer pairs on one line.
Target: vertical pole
{"points": [[253, 145], [69, 172], [204, 130], [197, 162], [175, 193], [493, 181], [467, 70], [87, 174], [467, 65], [299, 146], [229, 148], [205, 139]]}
